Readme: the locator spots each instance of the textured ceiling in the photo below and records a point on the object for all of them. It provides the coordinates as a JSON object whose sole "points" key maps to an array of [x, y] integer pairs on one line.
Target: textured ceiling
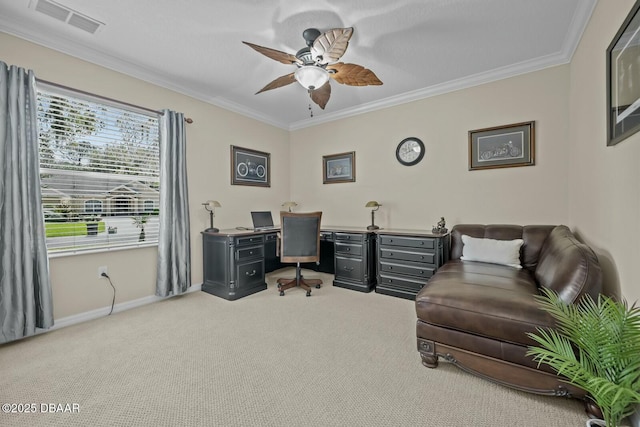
{"points": [[418, 48]]}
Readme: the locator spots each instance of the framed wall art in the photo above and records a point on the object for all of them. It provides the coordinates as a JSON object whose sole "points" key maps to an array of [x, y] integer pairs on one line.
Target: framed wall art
{"points": [[250, 167], [502, 146], [339, 168], [623, 80]]}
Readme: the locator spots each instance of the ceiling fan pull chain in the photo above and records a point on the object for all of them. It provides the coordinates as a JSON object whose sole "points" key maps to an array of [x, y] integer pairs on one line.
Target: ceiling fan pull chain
{"points": [[310, 111]]}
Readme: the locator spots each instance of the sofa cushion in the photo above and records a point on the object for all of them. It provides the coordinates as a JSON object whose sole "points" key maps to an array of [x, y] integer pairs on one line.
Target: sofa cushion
{"points": [[489, 300], [505, 252]]}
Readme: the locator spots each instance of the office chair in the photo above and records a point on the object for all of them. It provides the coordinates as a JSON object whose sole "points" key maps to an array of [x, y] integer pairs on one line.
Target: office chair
{"points": [[299, 242]]}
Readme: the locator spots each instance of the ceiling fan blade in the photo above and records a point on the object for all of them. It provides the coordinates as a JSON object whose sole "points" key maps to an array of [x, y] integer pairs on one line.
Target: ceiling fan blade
{"points": [[321, 96], [353, 75], [331, 45], [285, 58], [279, 82]]}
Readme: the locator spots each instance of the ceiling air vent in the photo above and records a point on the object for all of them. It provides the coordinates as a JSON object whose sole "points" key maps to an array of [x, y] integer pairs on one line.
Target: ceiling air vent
{"points": [[66, 14]]}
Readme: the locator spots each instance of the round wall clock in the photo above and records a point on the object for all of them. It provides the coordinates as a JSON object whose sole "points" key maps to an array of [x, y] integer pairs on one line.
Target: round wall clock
{"points": [[410, 151]]}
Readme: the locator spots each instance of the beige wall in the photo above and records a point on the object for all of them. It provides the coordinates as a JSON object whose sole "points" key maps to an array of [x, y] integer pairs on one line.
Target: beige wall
{"points": [[75, 283], [604, 183], [441, 185]]}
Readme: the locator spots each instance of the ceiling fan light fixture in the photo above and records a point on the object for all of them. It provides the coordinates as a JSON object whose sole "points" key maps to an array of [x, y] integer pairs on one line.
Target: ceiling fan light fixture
{"points": [[311, 77]]}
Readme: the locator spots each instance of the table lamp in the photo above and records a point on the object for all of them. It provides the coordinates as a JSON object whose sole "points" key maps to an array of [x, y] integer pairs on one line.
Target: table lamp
{"points": [[289, 205], [211, 205], [375, 205]]}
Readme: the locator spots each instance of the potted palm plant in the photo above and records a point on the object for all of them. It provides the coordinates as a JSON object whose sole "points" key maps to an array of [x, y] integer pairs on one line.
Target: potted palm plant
{"points": [[596, 346]]}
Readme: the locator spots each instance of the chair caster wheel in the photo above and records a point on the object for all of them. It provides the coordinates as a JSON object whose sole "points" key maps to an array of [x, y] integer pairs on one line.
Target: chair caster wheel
{"points": [[279, 285], [281, 293], [308, 293], [317, 286]]}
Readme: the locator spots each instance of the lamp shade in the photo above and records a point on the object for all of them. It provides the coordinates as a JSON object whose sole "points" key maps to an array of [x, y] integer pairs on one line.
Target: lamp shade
{"points": [[372, 204], [311, 77], [211, 204], [289, 205]]}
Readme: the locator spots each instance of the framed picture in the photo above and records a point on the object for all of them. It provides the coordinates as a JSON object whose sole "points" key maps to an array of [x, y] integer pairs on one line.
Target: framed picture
{"points": [[502, 146], [623, 80], [250, 167], [339, 168]]}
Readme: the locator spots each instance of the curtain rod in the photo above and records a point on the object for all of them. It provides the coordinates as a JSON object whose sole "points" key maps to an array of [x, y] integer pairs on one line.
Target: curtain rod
{"points": [[186, 119]]}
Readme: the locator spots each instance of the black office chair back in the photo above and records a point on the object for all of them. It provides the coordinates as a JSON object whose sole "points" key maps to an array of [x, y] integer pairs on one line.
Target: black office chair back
{"points": [[300, 236]]}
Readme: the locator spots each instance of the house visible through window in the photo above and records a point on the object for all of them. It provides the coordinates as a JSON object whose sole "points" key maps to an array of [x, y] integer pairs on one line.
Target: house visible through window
{"points": [[99, 171]]}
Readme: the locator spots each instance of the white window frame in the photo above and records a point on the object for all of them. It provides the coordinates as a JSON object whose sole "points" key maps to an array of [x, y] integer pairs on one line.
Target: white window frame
{"points": [[124, 227]]}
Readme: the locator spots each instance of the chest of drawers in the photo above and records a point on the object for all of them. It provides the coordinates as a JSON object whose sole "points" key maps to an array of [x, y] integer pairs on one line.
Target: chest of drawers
{"points": [[354, 260], [234, 266], [406, 262]]}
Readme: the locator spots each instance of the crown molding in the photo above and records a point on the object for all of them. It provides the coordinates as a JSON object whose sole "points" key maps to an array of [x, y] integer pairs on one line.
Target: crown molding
{"points": [[73, 48]]}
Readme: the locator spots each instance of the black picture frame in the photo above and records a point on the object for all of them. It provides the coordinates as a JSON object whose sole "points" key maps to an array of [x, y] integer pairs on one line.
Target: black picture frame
{"points": [[337, 168], [623, 80], [502, 146], [250, 167]]}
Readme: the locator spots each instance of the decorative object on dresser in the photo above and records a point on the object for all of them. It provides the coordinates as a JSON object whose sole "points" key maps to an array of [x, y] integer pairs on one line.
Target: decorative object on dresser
{"points": [[502, 146], [596, 345], [299, 242], [338, 168], [289, 205], [250, 167], [406, 261], [211, 205], [477, 315], [441, 228], [623, 89], [375, 206], [410, 151]]}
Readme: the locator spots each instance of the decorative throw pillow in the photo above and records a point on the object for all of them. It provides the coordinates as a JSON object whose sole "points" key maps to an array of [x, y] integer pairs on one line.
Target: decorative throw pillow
{"points": [[505, 252]]}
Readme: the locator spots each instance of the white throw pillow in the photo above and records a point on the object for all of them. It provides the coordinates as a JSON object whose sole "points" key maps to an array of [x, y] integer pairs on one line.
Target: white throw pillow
{"points": [[505, 252]]}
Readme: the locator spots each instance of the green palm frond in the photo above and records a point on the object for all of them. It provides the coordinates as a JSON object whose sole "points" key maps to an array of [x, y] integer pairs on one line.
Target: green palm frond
{"points": [[596, 346]]}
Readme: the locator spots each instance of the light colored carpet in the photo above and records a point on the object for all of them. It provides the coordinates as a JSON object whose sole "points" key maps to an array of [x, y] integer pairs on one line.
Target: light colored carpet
{"points": [[338, 358]]}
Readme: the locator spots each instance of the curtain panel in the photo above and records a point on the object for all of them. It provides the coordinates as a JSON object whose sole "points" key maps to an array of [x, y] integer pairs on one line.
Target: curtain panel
{"points": [[25, 289], [174, 240]]}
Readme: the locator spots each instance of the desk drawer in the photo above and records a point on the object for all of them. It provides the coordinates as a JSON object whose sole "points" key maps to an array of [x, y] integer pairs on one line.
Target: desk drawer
{"points": [[397, 253], [250, 274], [404, 283], [351, 237], [416, 270], [348, 249], [250, 240], [250, 252], [412, 242], [349, 268]]}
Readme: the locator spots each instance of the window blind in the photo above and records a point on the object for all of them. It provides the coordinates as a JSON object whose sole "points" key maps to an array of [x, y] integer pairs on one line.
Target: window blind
{"points": [[99, 171]]}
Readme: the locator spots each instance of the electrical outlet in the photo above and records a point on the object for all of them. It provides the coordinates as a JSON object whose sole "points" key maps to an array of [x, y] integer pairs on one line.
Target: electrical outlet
{"points": [[102, 269]]}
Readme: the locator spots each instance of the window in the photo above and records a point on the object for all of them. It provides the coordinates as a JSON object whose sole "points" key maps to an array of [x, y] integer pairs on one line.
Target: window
{"points": [[99, 171], [93, 206]]}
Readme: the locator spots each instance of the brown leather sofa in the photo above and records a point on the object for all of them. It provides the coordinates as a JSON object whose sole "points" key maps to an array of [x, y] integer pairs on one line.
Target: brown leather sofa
{"points": [[476, 314]]}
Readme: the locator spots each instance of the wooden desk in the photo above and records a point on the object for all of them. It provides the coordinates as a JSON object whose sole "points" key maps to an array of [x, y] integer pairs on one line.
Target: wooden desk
{"points": [[236, 261]]}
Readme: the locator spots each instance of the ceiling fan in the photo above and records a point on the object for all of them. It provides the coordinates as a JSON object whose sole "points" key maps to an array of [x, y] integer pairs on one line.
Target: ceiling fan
{"points": [[318, 62]]}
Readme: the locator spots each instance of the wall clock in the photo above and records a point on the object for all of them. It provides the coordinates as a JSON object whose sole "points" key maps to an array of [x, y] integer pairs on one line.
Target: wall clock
{"points": [[410, 151]]}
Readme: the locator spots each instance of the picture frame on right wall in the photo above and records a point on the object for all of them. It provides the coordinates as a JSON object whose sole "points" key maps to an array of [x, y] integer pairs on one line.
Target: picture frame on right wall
{"points": [[623, 80], [502, 146]]}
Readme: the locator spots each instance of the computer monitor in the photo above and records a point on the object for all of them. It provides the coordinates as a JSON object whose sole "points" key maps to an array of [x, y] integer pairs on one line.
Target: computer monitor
{"points": [[262, 220]]}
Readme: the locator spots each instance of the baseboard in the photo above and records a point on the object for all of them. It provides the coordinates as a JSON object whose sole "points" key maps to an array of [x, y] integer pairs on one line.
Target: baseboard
{"points": [[104, 311]]}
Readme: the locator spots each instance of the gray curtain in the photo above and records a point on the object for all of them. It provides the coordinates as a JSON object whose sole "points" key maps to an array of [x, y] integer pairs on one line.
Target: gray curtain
{"points": [[174, 242], [25, 289]]}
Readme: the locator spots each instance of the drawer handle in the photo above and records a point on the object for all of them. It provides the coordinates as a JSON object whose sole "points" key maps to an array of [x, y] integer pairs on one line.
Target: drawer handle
{"points": [[422, 242], [422, 257], [421, 272], [253, 273], [348, 249], [390, 253], [250, 252], [348, 269], [389, 267]]}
